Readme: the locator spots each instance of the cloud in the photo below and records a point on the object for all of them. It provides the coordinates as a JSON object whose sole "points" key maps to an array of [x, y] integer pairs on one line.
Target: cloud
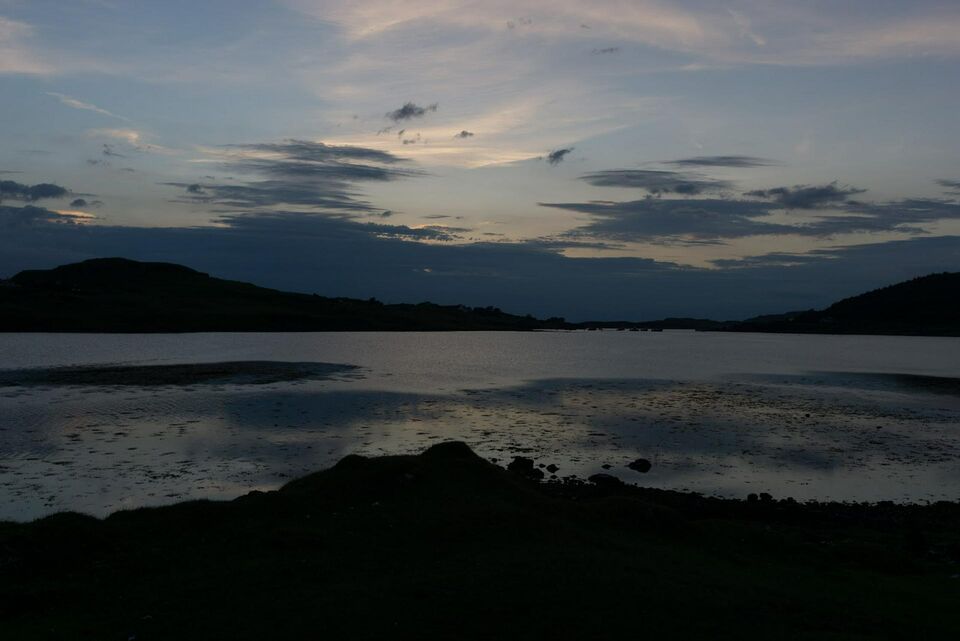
{"points": [[136, 140], [898, 213], [316, 225], [309, 151], [698, 220], [723, 161], [13, 190], [953, 186], [776, 33], [890, 262], [331, 170], [605, 51], [13, 218], [132, 137], [79, 104], [301, 173], [464, 134], [656, 181], [557, 156], [16, 57], [108, 151], [79, 203], [654, 218], [807, 196], [409, 111], [320, 195]]}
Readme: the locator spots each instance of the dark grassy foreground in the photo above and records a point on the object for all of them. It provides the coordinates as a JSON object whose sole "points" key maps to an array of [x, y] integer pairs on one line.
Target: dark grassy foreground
{"points": [[446, 545]]}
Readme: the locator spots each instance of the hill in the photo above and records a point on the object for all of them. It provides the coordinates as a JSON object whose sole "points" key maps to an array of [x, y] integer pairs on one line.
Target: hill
{"points": [[928, 305], [925, 306], [120, 295]]}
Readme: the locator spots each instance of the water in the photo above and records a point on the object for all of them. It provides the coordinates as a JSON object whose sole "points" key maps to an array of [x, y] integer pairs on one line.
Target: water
{"points": [[813, 417]]}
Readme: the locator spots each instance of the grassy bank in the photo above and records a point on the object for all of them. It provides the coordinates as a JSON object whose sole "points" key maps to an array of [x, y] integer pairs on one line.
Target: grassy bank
{"points": [[446, 545]]}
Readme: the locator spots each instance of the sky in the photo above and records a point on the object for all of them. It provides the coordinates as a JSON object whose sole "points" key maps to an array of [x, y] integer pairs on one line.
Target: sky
{"points": [[605, 159]]}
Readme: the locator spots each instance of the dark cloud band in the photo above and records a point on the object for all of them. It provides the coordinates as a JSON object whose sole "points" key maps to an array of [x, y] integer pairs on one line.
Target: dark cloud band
{"points": [[657, 181], [13, 190]]}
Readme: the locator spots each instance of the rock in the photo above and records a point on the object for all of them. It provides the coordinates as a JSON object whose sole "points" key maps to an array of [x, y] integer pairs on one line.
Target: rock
{"points": [[641, 465], [605, 480], [524, 466], [450, 450], [520, 464]]}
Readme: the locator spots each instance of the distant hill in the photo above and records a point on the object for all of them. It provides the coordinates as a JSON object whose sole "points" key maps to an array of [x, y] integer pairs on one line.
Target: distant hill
{"points": [[929, 305], [120, 295]]}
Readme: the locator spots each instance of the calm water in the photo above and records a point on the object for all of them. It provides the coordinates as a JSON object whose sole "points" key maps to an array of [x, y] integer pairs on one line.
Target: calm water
{"points": [[825, 417]]}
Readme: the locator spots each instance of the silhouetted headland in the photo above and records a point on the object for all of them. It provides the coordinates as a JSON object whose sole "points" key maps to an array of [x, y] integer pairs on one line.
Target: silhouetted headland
{"points": [[447, 545]]}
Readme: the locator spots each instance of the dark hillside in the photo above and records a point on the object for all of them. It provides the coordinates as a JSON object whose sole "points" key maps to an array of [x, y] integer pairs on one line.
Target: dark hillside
{"points": [[929, 305], [119, 295]]}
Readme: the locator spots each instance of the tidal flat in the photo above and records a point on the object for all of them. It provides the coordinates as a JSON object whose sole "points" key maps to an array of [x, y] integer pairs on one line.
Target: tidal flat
{"points": [[100, 423]]}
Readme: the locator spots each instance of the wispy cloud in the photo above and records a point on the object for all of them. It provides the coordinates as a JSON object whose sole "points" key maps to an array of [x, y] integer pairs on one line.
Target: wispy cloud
{"points": [[132, 137], [312, 175], [953, 186], [85, 106], [16, 56], [723, 161], [777, 32], [825, 211]]}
